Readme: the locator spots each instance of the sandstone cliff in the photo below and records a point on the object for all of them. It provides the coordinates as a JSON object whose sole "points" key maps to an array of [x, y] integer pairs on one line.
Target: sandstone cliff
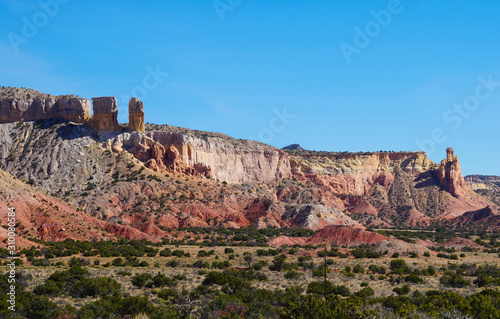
{"points": [[171, 177], [481, 182], [486, 186], [73, 109], [356, 173], [136, 115], [229, 159], [389, 188], [218, 156], [105, 118]]}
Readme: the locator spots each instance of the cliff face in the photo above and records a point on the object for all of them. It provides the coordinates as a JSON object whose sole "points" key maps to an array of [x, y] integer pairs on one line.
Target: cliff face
{"points": [[229, 159], [155, 175], [356, 173], [389, 188], [105, 117], [480, 182], [133, 183], [20, 104], [486, 186], [73, 109], [222, 158]]}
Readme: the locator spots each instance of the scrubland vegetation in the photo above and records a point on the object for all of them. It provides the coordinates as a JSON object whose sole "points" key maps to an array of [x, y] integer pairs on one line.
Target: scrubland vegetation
{"points": [[230, 273]]}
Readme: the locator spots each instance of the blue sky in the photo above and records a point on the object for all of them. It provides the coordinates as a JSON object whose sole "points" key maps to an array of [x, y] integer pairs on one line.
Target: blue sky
{"points": [[277, 71]]}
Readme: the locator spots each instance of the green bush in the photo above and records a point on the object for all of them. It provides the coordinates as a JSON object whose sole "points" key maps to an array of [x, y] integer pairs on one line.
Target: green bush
{"points": [[413, 278], [453, 280], [140, 280], [318, 287], [400, 291], [292, 274]]}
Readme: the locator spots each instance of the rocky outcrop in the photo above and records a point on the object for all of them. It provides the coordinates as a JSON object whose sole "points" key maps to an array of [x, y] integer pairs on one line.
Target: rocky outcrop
{"points": [[391, 246], [333, 235], [105, 117], [229, 159], [481, 182], [154, 155], [222, 158], [450, 175], [356, 173], [73, 109], [293, 147], [136, 115], [486, 219], [316, 217]]}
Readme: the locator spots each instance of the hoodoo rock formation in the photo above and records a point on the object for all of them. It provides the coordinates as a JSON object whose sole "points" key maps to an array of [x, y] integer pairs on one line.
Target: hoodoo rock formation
{"points": [[450, 174], [105, 114], [136, 115], [73, 109]]}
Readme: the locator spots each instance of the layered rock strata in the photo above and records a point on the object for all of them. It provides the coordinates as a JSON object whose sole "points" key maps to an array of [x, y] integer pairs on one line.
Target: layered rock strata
{"points": [[73, 109], [105, 117], [225, 159]]}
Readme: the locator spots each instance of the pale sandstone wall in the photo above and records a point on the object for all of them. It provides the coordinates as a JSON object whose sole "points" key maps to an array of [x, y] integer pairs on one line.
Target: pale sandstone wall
{"points": [[26, 109]]}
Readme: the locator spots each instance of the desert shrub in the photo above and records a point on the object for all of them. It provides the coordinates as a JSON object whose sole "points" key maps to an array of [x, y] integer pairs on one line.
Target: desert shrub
{"points": [[318, 287], [453, 280], [172, 263], [381, 270], [117, 262], [399, 267], [166, 252], [168, 294], [75, 283], [140, 280], [413, 278], [204, 253], [41, 262], [400, 291], [364, 252], [365, 293], [179, 253], [320, 271], [220, 264], [200, 264], [160, 280], [358, 269], [278, 263], [292, 274]]}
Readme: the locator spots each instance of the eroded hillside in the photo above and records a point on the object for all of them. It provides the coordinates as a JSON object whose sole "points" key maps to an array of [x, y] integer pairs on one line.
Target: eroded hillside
{"points": [[137, 185]]}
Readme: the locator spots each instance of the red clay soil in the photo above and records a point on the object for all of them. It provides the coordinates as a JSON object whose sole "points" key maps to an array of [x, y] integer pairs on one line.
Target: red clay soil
{"points": [[333, 235]]}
